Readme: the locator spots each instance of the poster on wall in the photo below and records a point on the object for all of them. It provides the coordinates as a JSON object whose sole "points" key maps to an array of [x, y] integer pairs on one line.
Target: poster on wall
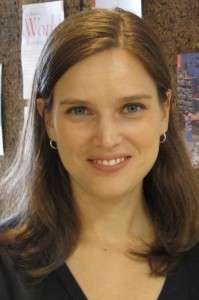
{"points": [[1, 131], [38, 21], [134, 6], [188, 101]]}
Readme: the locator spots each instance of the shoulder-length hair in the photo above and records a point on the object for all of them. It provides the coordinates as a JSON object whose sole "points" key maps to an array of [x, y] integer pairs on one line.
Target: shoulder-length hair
{"points": [[37, 186]]}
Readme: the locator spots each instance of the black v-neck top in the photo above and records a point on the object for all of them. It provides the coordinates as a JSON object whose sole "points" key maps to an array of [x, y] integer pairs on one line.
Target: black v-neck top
{"points": [[181, 284]]}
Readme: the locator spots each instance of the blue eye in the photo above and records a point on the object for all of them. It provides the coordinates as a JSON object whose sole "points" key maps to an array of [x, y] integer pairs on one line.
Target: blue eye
{"points": [[80, 110], [77, 110], [135, 107]]}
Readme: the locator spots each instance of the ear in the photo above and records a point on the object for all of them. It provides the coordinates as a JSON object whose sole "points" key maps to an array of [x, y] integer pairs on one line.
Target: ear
{"points": [[47, 117], [165, 111]]}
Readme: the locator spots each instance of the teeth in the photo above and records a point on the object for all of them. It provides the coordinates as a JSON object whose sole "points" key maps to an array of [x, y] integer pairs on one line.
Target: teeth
{"points": [[111, 162]]}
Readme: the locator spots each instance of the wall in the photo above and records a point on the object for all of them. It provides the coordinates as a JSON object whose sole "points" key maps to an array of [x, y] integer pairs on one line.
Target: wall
{"points": [[175, 22], [177, 25]]}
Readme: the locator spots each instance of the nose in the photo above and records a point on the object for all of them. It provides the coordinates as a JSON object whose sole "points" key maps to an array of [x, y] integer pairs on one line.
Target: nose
{"points": [[107, 133]]}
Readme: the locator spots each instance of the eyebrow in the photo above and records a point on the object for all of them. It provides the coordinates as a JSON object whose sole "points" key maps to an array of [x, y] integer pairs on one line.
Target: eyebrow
{"points": [[71, 100]]}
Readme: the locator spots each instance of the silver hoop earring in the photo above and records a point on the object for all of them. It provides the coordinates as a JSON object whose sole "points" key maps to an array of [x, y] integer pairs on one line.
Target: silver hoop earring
{"points": [[53, 146], [163, 138]]}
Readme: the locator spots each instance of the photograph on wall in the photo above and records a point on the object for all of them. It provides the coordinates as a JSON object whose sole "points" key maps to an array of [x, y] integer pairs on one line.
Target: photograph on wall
{"points": [[38, 21], [1, 131], [134, 6], [188, 101]]}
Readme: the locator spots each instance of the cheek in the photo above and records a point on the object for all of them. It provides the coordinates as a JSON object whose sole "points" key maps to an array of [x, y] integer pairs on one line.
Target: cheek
{"points": [[70, 142], [151, 143], [150, 149], [146, 132], [146, 139]]}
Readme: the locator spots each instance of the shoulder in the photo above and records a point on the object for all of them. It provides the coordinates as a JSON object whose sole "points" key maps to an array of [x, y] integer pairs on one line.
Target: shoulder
{"points": [[4, 286], [10, 282], [191, 265], [15, 283], [11, 285], [185, 278], [14, 286], [190, 272], [191, 257]]}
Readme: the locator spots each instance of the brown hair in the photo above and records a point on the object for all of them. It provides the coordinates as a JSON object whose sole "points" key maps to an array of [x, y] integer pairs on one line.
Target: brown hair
{"points": [[37, 187]]}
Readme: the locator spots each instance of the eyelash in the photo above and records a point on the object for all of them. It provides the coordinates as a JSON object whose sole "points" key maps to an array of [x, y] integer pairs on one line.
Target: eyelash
{"points": [[141, 106]]}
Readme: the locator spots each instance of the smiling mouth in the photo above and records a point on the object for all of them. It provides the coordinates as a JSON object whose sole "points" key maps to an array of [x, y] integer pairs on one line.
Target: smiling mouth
{"points": [[110, 165], [109, 162]]}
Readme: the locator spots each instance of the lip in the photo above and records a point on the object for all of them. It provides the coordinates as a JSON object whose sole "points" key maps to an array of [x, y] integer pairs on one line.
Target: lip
{"points": [[110, 169], [108, 157]]}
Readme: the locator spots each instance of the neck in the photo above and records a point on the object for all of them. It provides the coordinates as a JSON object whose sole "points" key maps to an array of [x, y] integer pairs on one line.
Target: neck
{"points": [[114, 222]]}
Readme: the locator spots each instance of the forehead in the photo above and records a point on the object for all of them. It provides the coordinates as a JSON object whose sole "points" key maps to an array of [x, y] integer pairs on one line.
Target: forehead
{"points": [[110, 71]]}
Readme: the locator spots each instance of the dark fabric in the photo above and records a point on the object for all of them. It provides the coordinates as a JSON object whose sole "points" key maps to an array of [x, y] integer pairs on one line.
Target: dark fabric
{"points": [[181, 284]]}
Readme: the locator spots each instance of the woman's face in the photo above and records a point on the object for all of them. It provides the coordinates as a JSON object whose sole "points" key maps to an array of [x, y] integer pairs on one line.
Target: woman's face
{"points": [[115, 112]]}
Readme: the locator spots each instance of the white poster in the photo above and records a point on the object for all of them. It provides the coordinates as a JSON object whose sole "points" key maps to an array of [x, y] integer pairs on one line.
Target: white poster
{"points": [[1, 133], [38, 22], [134, 6]]}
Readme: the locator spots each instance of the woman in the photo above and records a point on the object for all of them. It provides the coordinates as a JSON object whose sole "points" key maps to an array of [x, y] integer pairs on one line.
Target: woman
{"points": [[104, 195]]}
